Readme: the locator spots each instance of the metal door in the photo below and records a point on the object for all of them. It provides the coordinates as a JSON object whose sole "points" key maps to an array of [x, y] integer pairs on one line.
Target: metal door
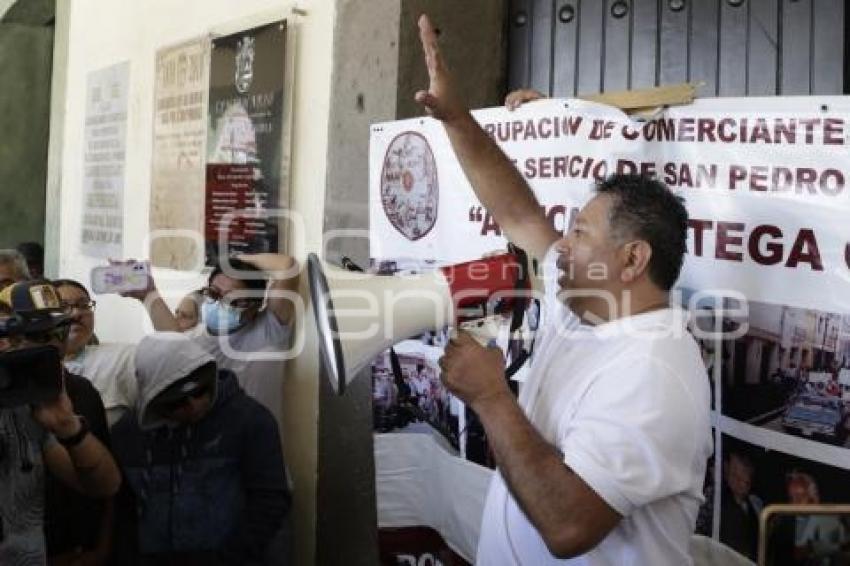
{"points": [[734, 47]]}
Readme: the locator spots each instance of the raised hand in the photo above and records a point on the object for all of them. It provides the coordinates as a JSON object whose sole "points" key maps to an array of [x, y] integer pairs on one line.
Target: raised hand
{"points": [[440, 100], [58, 416], [518, 97], [138, 295]]}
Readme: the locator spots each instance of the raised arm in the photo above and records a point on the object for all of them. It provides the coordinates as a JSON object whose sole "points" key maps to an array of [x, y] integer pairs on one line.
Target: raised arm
{"points": [[86, 465], [495, 180], [283, 272]]}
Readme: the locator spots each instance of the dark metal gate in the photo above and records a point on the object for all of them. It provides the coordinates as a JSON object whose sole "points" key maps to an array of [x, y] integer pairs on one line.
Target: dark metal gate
{"points": [[736, 47]]}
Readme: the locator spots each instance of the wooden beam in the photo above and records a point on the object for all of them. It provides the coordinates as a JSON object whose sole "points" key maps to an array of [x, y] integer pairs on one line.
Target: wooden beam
{"points": [[641, 101]]}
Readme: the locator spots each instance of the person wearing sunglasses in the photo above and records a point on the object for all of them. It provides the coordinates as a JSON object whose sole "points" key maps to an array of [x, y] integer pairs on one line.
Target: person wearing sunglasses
{"points": [[57, 475], [247, 311], [107, 365], [203, 461]]}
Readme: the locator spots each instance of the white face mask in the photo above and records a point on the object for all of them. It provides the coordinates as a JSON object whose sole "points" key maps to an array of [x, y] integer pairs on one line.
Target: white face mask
{"points": [[221, 319]]}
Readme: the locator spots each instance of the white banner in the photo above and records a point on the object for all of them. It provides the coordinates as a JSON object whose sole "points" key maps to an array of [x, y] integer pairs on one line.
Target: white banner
{"points": [[765, 183]]}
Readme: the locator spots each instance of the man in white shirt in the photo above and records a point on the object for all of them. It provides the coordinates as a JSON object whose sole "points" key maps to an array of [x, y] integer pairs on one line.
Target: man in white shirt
{"points": [[602, 458]]}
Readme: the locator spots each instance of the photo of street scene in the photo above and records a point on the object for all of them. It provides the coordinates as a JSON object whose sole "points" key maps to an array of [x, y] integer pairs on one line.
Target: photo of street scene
{"points": [[411, 392], [707, 325], [753, 478], [790, 372]]}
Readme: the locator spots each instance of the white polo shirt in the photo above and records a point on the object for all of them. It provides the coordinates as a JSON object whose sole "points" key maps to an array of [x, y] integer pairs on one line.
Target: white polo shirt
{"points": [[627, 404]]}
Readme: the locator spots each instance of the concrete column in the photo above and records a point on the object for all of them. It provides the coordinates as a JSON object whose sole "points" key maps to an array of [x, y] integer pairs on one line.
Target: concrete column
{"points": [[377, 68]]}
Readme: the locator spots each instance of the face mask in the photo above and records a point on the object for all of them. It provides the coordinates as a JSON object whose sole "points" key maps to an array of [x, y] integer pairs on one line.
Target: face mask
{"points": [[221, 319]]}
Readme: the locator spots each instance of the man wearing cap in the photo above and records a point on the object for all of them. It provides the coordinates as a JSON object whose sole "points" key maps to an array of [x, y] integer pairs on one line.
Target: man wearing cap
{"points": [[40, 429], [202, 459]]}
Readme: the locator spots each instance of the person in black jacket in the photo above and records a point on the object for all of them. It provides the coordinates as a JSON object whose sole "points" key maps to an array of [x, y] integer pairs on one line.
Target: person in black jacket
{"points": [[78, 529], [202, 460]]}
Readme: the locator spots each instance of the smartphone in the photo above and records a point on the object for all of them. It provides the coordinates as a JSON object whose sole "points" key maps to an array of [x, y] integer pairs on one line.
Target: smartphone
{"points": [[120, 277], [31, 376]]}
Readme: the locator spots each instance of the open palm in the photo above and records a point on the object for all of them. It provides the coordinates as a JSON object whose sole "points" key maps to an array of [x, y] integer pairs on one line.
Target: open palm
{"points": [[440, 100]]}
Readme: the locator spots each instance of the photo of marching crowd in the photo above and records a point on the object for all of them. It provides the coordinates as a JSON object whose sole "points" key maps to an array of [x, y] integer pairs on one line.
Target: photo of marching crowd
{"points": [[790, 372], [407, 390]]}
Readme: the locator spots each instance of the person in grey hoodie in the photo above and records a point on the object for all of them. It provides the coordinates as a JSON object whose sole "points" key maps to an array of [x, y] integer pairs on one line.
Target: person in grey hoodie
{"points": [[202, 461]]}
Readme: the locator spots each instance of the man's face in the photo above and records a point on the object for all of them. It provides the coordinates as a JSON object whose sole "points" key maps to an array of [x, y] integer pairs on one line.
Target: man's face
{"points": [[739, 477], [588, 257], [235, 293], [192, 409], [8, 275], [186, 313], [193, 405], [82, 327]]}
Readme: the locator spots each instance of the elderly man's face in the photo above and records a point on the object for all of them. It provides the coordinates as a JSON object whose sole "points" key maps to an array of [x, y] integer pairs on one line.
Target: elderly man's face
{"points": [[739, 477], [82, 327], [8, 275]]}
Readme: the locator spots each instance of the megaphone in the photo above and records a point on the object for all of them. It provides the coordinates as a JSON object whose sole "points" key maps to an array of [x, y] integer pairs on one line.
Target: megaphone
{"points": [[359, 315]]}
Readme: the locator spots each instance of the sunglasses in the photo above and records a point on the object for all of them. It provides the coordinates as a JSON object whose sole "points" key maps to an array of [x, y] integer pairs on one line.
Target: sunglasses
{"points": [[69, 307], [171, 406], [213, 294]]}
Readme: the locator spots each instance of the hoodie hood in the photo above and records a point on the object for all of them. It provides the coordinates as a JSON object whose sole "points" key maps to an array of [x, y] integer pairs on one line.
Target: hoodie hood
{"points": [[161, 360]]}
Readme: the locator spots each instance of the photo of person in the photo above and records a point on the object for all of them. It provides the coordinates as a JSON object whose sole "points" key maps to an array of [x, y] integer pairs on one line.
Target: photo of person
{"points": [[790, 372], [740, 507], [754, 477]]}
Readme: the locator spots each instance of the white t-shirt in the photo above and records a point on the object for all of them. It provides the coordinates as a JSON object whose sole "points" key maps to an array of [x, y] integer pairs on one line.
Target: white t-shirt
{"points": [[111, 370], [254, 354], [627, 404]]}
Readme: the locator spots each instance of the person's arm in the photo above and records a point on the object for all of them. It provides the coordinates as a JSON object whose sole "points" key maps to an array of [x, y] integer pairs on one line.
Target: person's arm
{"points": [[495, 180], [570, 516], [88, 466], [283, 272], [89, 403], [267, 497]]}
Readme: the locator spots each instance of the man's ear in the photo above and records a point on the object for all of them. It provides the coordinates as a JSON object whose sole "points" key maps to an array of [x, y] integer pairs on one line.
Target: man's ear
{"points": [[635, 260]]}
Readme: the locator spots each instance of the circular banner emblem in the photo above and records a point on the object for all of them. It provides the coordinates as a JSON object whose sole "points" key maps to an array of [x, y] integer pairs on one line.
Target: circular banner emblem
{"points": [[410, 191]]}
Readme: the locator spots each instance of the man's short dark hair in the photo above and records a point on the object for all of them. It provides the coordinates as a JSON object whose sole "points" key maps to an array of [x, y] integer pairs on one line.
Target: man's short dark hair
{"points": [[645, 208], [32, 251], [71, 283], [257, 281]]}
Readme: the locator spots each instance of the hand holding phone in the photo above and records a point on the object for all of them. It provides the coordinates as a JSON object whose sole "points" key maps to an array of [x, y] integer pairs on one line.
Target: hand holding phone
{"points": [[129, 277]]}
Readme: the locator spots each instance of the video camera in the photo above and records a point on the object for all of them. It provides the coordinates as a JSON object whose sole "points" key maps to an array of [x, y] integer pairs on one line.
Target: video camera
{"points": [[28, 376]]}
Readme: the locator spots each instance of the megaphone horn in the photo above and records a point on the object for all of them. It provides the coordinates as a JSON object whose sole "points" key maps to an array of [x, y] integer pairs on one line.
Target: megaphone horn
{"points": [[359, 315]]}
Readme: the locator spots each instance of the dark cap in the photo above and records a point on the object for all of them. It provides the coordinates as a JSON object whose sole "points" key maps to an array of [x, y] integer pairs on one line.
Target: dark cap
{"points": [[35, 307]]}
